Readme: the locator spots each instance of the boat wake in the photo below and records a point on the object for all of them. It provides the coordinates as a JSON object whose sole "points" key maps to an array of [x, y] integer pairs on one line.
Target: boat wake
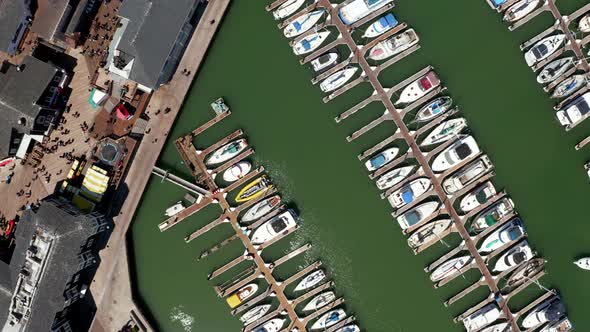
{"points": [[186, 321]]}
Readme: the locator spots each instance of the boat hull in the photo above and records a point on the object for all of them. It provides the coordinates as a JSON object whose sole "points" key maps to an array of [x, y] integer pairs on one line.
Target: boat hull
{"points": [[237, 171], [254, 189], [287, 9], [583, 263], [467, 175], [324, 61], [302, 24], [310, 280], [226, 152], [394, 45], [519, 10], [381, 159], [554, 69], [320, 301], [310, 43], [274, 227], [445, 131], [393, 177], [380, 26], [569, 86], [450, 157], [409, 193], [543, 49], [254, 314], [450, 268], [417, 215], [337, 79], [429, 232], [328, 319], [418, 88], [433, 109], [261, 208]]}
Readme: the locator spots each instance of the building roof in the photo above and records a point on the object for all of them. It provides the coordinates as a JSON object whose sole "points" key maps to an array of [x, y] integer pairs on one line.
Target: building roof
{"points": [[48, 16], [12, 13]]}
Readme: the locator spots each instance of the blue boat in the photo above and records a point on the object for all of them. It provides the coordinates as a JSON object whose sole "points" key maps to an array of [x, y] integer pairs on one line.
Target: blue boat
{"points": [[381, 26], [357, 9]]}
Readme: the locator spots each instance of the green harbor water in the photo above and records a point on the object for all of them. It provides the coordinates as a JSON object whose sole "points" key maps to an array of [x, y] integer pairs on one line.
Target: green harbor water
{"points": [[295, 137]]}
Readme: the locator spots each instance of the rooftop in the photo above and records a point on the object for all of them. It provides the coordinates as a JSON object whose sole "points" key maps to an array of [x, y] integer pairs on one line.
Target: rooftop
{"points": [[12, 13], [48, 17]]}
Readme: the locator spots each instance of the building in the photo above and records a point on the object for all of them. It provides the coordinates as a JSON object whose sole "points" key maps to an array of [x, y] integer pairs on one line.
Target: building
{"points": [[15, 17], [29, 104], [150, 40], [44, 288]]}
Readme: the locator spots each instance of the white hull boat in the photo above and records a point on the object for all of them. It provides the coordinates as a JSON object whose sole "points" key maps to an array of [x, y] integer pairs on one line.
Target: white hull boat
{"points": [[418, 88], [261, 208], [477, 197], [554, 69], [543, 49], [320, 301], [515, 256], [467, 175], [490, 216], [303, 23], [274, 227], [273, 325], [417, 214], [237, 171], [394, 45], [584, 24], [482, 318], [504, 235], [445, 131], [226, 152], [254, 314], [379, 27], [409, 192], [394, 177], [502, 327], [569, 86], [174, 209], [382, 158], [523, 274], [583, 263], [450, 268], [564, 325], [550, 310], [357, 9], [310, 42], [520, 9], [458, 152], [429, 232], [324, 61], [337, 79], [349, 328], [433, 109], [287, 9], [328, 319], [574, 112], [311, 280]]}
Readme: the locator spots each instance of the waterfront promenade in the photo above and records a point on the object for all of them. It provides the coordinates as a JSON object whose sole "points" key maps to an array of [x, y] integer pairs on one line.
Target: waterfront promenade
{"points": [[112, 309]]}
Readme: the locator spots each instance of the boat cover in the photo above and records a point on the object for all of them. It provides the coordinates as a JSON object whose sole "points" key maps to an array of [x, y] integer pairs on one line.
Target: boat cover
{"points": [[408, 196], [378, 161], [388, 21], [425, 83]]}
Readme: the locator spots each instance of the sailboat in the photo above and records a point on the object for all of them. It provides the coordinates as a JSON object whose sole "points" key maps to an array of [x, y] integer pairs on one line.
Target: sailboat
{"points": [[319, 301], [310, 43], [254, 314], [310, 280], [382, 25], [554, 69], [287, 9], [418, 88], [520, 10], [449, 268], [394, 45], [445, 131], [226, 152], [261, 208], [303, 23], [569, 85], [583, 263], [429, 232], [337, 79], [393, 177], [433, 109]]}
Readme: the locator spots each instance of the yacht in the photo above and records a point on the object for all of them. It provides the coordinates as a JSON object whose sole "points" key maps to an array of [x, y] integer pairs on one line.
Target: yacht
{"points": [[320, 301], [491, 215], [328, 319], [554, 69], [349, 328], [583, 263], [242, 294], [417, 214], [450, 268], [254, 189], [274, 227], [357, 9], [310, 280], [393, 177], [175, 209], [584, 24], [477, 197], [382, 25], [433, 109], [273, 325], [429, 232], [310, 42], [409, 192], [563, 325], [324, 61], [254, 314], [226, 152], [418, 88], [506, 234], [520, 10], [543, 49], [303, 23], [461, 150], [237, 171], [382, 158], [482, 317], [287, 9], [574, 112], [445, 131], [515, 256], [501, 327], [569, 86], [337, 79], [394, 45], [261, 208], [550, 310], [467, 175], [523, 274]]}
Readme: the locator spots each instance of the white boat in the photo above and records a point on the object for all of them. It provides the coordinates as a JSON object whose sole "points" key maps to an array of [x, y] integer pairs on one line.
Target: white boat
{"points": [[227, 152], [482, 318], [418, 88], [515, 256], [433, 109], [409, 192], [554, 69], [508, 233], [324, 61], [563, 325], [429, 232], [450, 268], [568, 86], [394, 45], [543, 49], [463, 149], [574, 112], [274, 227], [287, 9], [382, 158], [237, 171], [445, 131], [254, 314], [380, 26], [490, 216], [320, 300], [273, 325], [349, 328], [328, 319], [310, 280], [303, 23], [584, 24], [520, 10], [467, 175], [583, 263], [261, 208], [357, 9], [337, 79], [550, 310], [417, 214], [501, 327], [393, 177], [477, 196], [310, 42], [174, 209]]}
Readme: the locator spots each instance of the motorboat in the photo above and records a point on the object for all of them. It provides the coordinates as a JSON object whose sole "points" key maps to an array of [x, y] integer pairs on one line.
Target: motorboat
{"points": [[310, 42], [324, 61], [554, 69], [382, 158], [498, 3], [550, 310], [274, 227], [574, 112], [584, 24], [477, 197], [568, 86], [520, 10], [429, 232], [227, 152], [482, 317], [417, 214], [328, 319], [543, 49], [261, 208], [583, 263], [254, 189], [255, 313], [349, 328], [242, 294], [287, 9], [357, 9], [461, 150], [273, 325], [380, 26], [303, 23], [418, 88], [310, 280], [501, 327], [445, 131], [467, 175], [338, 79], [515, 256], [433, 109], [523, 274], [393, 177], [490, 216], [409, 192], [508, 233], [450, 268], [175, 209], [394, 45], [319, 301], [563, 325], [237, 171]]}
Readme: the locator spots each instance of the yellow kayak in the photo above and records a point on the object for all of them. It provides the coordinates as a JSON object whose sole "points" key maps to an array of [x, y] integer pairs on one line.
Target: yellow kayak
{"points": [[254, 189]]}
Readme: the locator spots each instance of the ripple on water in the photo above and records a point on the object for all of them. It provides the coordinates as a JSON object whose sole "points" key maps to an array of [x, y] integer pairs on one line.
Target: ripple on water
{"points": [[178, 315]]}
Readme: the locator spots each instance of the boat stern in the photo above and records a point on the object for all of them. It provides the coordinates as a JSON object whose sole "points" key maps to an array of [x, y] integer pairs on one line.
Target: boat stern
{"points": [[563, 118]]}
